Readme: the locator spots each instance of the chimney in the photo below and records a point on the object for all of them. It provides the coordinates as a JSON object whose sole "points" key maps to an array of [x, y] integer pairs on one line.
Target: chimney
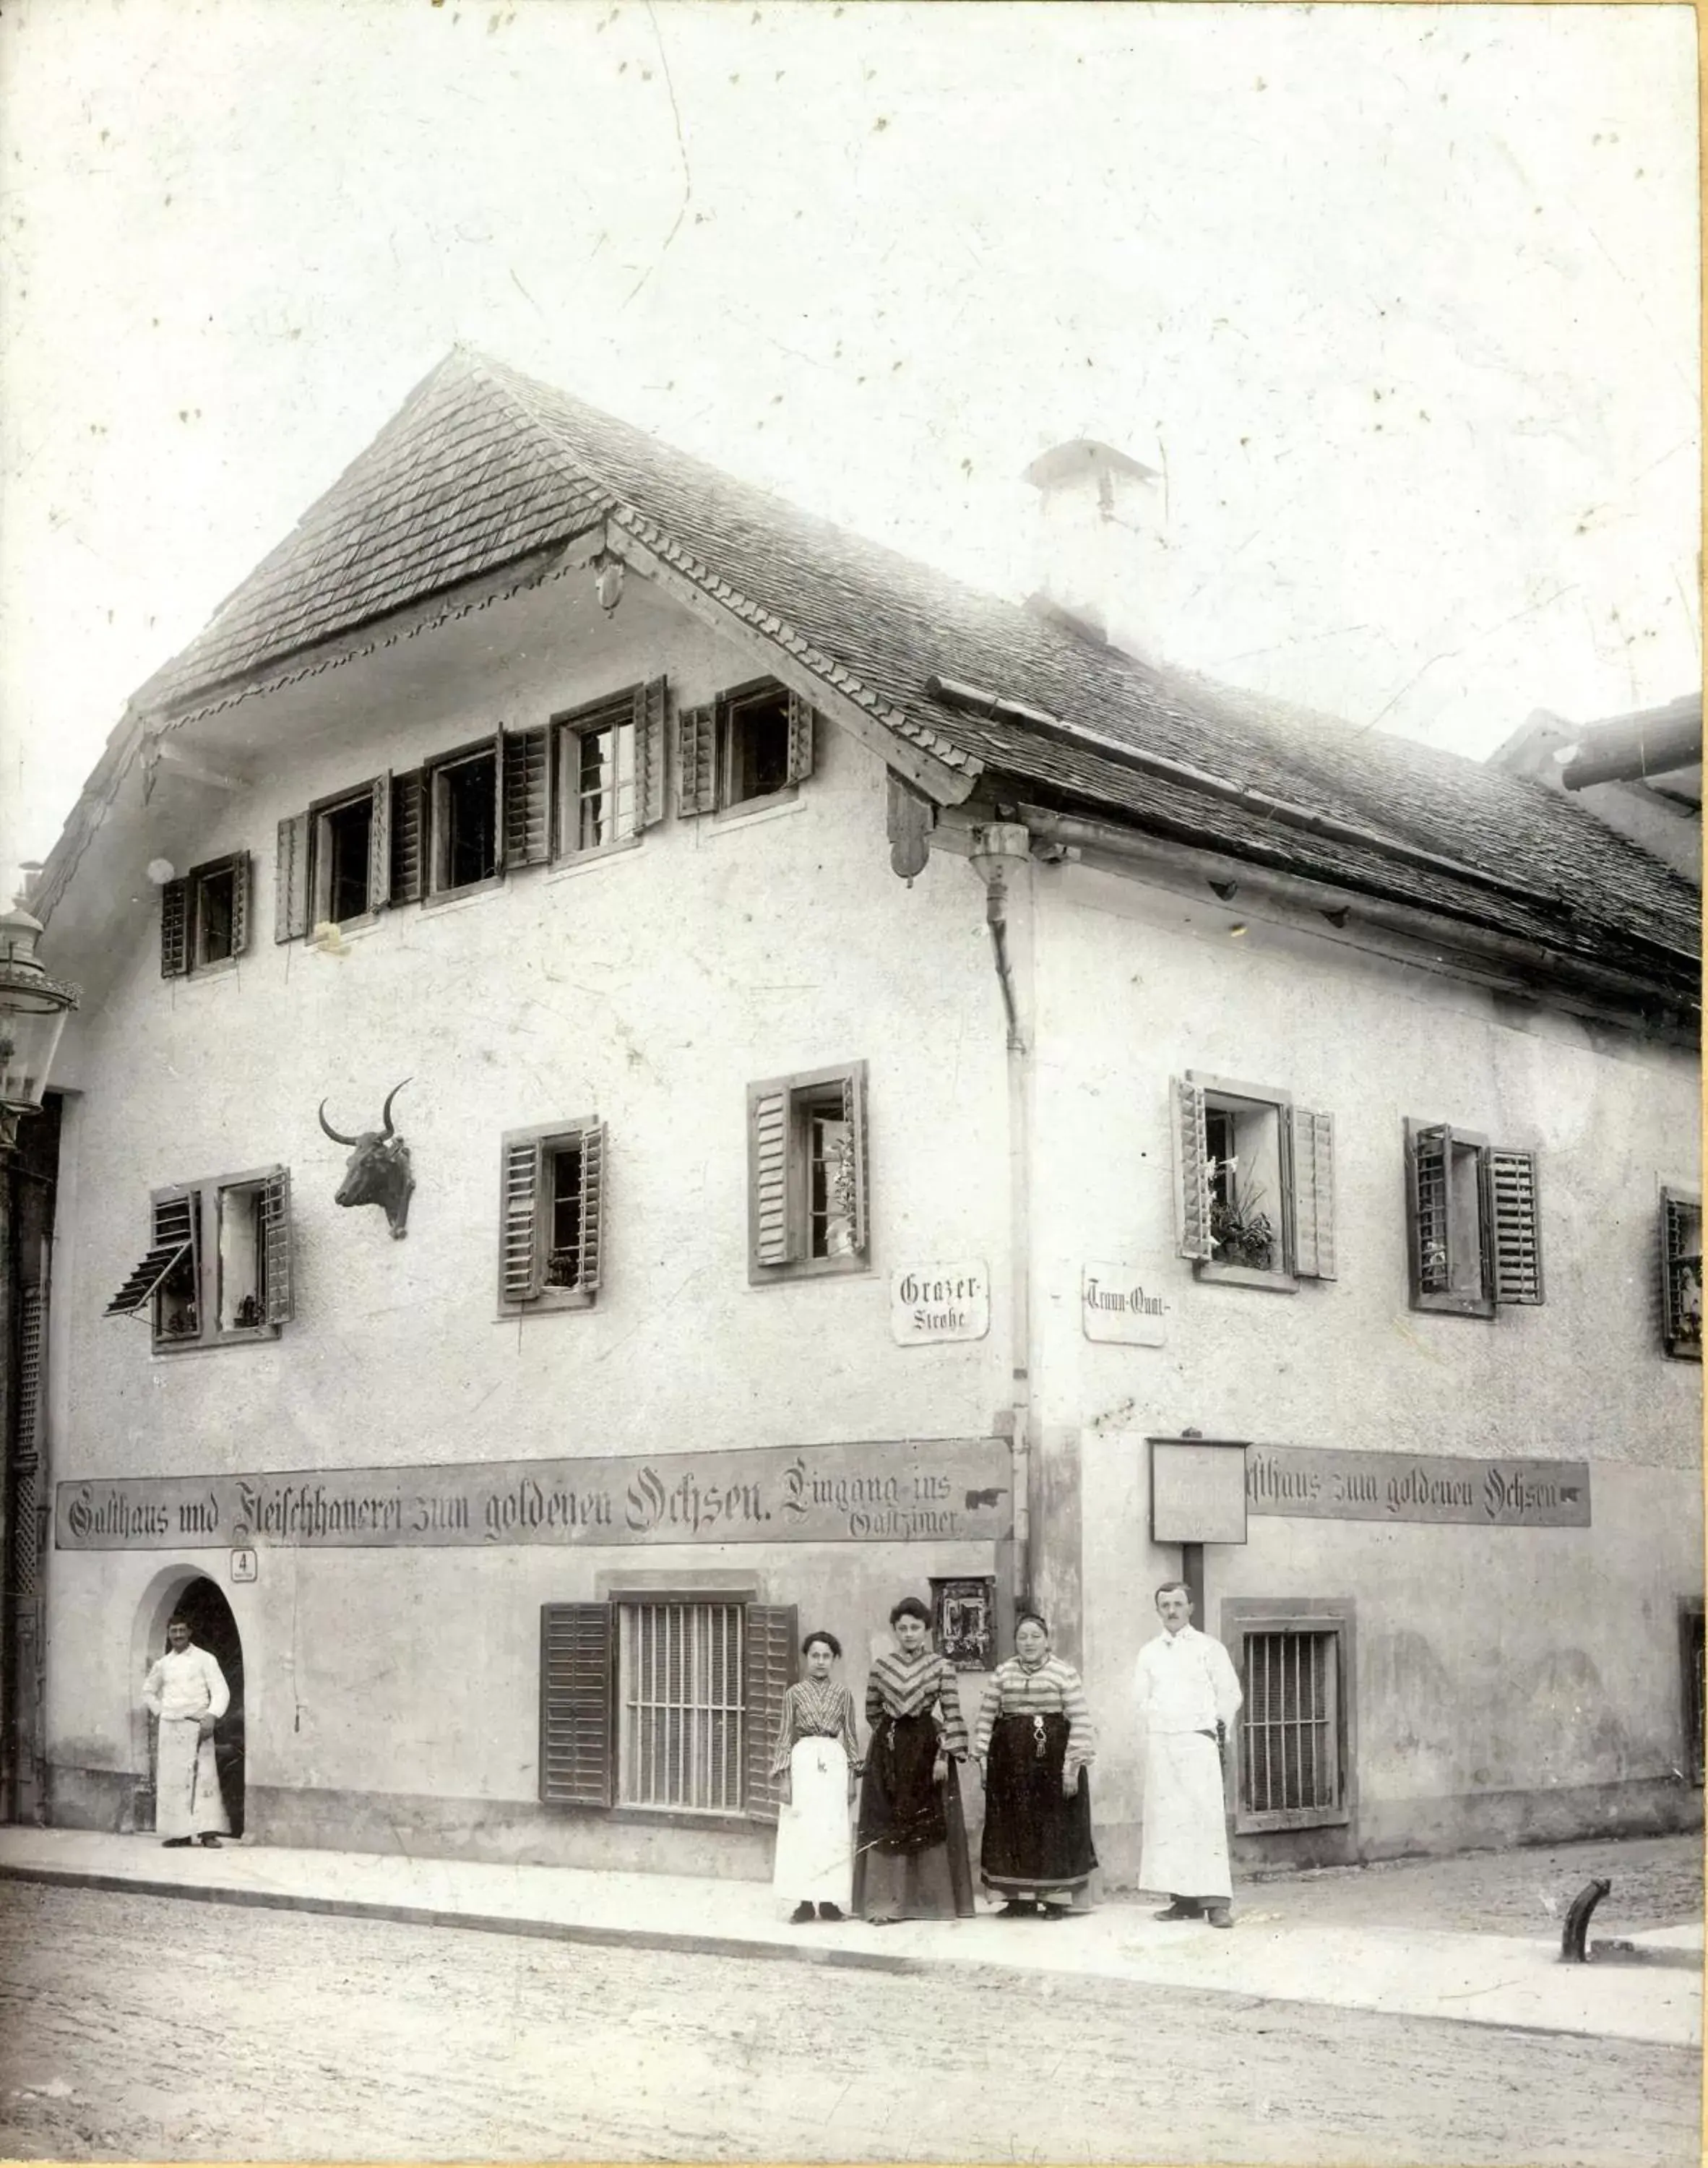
{"points": [[1098, 520]]}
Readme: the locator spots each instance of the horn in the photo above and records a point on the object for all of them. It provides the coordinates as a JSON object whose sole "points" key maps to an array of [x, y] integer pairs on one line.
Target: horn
{"points": [[385, 1115], [332, 1132]]}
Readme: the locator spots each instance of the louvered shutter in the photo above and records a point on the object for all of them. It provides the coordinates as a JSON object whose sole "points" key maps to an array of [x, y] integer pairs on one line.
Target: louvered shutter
{"points": [[768, 1668], [275, 1235], [172, 1239], [501, 743], [1191, 1171], [519, 1265], [1681, 1274], [240, 902], [291, 883], [526, 841], [174, 929], [379, 843], [697, 761], [1517, 1235], [650, 709], [407, 821], [1312, 1137], [1427, 1154], [26, 1460], [575, 1726], [768, 1174], [592, 1229], [801, 720], [854, 1114]]}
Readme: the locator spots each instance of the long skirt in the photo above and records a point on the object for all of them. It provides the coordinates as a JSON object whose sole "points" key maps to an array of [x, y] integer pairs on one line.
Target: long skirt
{"points": [[1184, 1850], [911, 1854], [1037, 1844], [188, 1801], [814, 1844]]}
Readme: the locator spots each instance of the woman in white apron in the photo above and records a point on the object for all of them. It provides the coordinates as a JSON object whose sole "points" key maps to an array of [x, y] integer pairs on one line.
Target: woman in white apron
{"points": [[817, 1756]]}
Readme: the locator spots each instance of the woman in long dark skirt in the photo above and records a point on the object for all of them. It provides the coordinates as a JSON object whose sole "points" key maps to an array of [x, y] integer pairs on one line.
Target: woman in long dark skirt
{"points": [[910, 1848], [1034, 1745]]}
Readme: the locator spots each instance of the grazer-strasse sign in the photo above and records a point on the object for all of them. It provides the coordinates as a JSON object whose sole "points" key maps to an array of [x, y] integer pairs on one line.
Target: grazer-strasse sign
{"points": [[906, 1490], [1312, 1483]]}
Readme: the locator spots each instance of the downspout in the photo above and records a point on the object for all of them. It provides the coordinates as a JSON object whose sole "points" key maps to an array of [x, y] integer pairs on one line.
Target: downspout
{"points": [[1002, 858]]}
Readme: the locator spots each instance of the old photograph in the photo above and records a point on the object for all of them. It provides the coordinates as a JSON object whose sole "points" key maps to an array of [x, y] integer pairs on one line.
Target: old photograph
{"points": [[851, 1218]]}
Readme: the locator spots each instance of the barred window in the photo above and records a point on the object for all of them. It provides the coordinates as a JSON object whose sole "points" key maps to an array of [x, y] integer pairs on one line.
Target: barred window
{"points": [[682, 1711], [1292, 1733]]}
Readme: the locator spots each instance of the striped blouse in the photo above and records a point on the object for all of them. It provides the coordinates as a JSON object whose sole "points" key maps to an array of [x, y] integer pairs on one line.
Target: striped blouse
{"points": [[1050, 1688], [812, 1711], [908, 1686]]}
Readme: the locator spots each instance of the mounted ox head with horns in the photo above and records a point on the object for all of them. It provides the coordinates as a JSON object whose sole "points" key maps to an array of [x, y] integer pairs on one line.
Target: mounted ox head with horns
{"points": [[378, 1171]]}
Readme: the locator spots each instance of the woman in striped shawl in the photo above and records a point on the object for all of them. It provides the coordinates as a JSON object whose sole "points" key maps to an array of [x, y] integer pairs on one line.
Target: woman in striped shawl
{"points": [[1034, 1745], [911, 1851]]}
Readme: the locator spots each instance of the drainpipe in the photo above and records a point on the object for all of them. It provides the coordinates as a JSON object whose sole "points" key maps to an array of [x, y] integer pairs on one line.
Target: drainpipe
{"points": [[1001, 857]]}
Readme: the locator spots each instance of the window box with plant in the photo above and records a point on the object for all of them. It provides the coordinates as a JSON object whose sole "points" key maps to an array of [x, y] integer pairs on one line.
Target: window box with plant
{"points": [[217, 1272], [1254, 1183]]}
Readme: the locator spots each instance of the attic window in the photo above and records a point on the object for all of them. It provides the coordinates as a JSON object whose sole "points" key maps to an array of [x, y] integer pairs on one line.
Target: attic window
{"points": [[344, 850], [753, 743], [755, 734], [464, 799], [205, 917]]}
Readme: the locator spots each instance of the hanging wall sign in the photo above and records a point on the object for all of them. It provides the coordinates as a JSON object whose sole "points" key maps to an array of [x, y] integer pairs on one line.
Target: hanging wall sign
{"points": [[939, 1302], [1123, 1303]]}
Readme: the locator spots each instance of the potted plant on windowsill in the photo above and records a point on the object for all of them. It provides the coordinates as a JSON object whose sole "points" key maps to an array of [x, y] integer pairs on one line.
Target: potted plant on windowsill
{"points": [[1240, 1234]]}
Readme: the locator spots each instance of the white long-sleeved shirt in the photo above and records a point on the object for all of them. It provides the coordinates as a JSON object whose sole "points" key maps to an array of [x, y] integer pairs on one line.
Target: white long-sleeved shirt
{"points": [[1185, 1683], [187, 1684]]}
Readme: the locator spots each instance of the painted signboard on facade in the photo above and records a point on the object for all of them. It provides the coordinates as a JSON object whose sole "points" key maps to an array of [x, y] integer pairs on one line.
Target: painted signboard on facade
{"points": [[1197, 1491], [905, 1491], [939, 1302], [1313, 1483], [1124, 1304]]}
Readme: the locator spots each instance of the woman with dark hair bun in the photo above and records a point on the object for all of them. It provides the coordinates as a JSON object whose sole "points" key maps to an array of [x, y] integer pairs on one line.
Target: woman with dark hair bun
{"points": [[817, 1755], [911, 1854], [1034, 1745]]}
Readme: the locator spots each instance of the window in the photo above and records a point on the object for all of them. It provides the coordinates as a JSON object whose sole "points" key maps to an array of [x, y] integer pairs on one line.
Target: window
{"points": [[1690, 1652], [1681, 1273], [205, 917], [749, 744], [807, 1174], [463, 821], [218, 1267], [1292, 1745], [334, 862], [608, 762], [1255, 1184], [1475, 1239], [664, 1701], [551, 1185]]}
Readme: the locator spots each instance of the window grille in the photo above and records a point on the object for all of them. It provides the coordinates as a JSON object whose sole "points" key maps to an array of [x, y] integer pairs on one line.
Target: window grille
{"points": [[1290, 1761], [682, 1727]]}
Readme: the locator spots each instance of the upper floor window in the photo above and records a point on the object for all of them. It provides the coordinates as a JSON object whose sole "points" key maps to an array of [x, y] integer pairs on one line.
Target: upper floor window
{"points": [[218, 1267], [752, 743], [1474, 1234], [1254, 1183], [1681, 1273], [462, 820], [806, 1173], [205, 917], [551, 1209]]}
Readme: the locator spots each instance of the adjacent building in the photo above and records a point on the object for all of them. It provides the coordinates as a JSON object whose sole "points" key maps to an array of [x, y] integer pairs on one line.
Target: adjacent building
{"points": [[654, 1075]]}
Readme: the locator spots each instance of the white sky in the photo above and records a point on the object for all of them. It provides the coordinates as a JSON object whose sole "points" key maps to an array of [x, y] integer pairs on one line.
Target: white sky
{"points": [[1405, 298]]}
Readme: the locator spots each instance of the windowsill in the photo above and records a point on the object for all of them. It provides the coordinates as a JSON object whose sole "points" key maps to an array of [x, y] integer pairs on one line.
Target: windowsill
{"points": [[1300, 1819], [583, 862], [811, 1268], [328, 935], [771, 807], [551, 1302], [1243, 1276], [1453, 1305], [1684, 1352], [200, 974], [246, 1337], [444, 898]]}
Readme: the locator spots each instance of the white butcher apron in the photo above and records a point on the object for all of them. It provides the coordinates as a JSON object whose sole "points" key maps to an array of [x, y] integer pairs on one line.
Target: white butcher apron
{"points": [[814, 1839], [1184, 1850]]}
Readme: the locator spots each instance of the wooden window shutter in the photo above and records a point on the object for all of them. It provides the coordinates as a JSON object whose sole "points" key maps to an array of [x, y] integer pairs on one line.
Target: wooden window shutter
{"points": [[1313, 1142], [519, 1264], [407, 815], [650, 709], [1428, 1154], [854, 1114], [240, 902], [770, 1140], [379, 843], [592, 1228], [768, 1664], [275, 1235], [1191, 1171], [1681, 1274], [575, 1727], [801, 720], [172, 1238], [527, 772], [174, 929], [697, 761], [1517, 1233], [291, 885]]}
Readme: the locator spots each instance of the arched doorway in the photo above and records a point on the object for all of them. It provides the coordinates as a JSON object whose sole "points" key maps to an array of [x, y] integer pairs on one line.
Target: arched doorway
{"points": [[204, 1609]]}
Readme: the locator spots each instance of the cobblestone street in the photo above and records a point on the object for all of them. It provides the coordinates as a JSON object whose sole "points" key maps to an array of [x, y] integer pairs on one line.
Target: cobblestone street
{"points": [[142, 2027]]}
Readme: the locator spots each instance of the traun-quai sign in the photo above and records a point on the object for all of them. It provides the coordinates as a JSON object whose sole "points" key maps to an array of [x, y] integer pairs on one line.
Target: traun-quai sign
{"points": [[1309, 1483], [905, 1491]]}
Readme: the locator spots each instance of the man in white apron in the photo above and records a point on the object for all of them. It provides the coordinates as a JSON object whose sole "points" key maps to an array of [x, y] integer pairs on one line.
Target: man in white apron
{"points": [[1188, 1696], [186, 1691]]}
